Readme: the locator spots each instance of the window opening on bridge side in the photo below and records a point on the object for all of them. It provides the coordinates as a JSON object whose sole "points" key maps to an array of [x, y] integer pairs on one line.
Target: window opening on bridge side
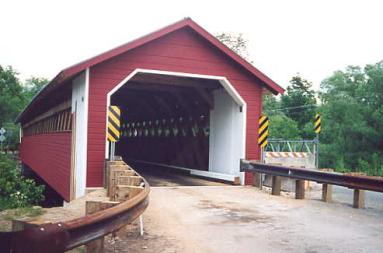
{"points": [[58, 122]]}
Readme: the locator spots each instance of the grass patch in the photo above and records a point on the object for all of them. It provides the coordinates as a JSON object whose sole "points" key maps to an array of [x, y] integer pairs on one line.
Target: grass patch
{"points": [[22, 212], [80, 249]]}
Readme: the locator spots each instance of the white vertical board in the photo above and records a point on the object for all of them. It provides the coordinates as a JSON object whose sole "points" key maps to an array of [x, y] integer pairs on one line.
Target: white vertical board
{"points": [[227, 133], [80, 104]]}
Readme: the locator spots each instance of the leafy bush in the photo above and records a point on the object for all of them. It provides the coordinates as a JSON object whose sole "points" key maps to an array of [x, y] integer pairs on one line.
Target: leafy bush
{"points": [[15, 189], [283, 127], [12, 136]]}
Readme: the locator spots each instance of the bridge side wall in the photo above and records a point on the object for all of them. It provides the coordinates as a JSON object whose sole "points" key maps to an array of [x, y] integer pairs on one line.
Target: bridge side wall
{"points": [[53, 151]]}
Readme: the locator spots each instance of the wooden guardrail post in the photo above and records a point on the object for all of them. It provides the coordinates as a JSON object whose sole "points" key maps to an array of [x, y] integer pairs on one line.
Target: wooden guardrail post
{"points": [[359, 198], [129, 180], [276, 185], [299, 189], [327, 192], [124, 192], [97, 246], [115, 173], [257, 180], [123, 183], [357, 181]]}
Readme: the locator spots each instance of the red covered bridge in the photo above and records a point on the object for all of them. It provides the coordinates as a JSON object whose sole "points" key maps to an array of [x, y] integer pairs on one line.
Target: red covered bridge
{"points": [[186, 100]]}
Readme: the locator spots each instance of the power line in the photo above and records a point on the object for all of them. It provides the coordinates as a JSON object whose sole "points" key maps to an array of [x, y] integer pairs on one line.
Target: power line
{"points": [[292, 108]]}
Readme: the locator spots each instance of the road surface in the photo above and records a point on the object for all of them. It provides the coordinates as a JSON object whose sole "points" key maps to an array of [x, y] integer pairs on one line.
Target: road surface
{"points": [[246, 219]]}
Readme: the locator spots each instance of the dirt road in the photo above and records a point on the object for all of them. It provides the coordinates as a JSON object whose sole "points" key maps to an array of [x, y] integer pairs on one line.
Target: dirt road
{"points": [[244, 219]]}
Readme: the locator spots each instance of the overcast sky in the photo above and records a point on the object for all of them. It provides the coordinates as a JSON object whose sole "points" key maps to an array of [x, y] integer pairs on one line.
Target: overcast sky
{"points": [[313, 38]]}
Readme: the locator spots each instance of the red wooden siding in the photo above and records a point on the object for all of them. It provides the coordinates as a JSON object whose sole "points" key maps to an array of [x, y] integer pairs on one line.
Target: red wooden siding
{"points": [[49, 155], [179, 51]]}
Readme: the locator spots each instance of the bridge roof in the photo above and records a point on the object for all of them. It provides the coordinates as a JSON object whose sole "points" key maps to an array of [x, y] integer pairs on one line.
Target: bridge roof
{"points": [[68, 73]]}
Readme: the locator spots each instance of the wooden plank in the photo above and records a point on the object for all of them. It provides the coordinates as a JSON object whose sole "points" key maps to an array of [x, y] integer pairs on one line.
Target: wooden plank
{"points": [[124, 192], [93, 206], [113, 165], [129, 180], [120, 173], [118, 158], [116, 163], [117, 170]]}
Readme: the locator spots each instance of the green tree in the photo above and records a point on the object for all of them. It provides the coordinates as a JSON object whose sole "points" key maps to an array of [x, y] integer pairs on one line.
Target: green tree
{"points": [[32, 86], [11, 97], [299, 101], [285, 124], [308, 131], [14, 96], [283, 127], [235, 42], [12, 136], [271, 104], [352, 119]]}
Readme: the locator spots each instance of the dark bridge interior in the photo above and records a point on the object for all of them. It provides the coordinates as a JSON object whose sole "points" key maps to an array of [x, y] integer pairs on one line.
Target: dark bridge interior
{"points": [[165, 119]]}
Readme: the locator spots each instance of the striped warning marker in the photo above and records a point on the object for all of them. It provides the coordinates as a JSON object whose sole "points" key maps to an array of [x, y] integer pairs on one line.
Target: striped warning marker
{"points": [[317, 124], [263, 131], [114, 114], [287, 154]]}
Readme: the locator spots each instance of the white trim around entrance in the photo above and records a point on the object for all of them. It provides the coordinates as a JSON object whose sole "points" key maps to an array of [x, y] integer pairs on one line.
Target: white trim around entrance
{"points": [[223, 81]]}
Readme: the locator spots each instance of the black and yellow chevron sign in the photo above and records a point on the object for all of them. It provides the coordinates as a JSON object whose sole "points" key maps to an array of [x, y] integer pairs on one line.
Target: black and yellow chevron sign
{"points": [[263, 131], [317, 124], [114, 114]]}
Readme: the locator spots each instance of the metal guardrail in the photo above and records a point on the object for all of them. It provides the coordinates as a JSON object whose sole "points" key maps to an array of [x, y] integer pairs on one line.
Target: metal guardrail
{"points": [[63, 236], [350, 181]]}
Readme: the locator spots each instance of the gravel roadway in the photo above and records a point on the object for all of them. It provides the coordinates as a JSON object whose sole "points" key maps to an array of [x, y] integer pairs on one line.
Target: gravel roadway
{"points": [[245, 219]]}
